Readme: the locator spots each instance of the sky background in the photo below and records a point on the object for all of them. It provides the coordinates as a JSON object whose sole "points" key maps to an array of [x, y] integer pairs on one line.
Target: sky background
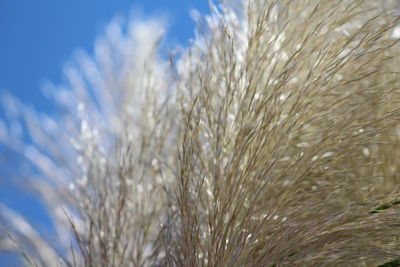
{"points": [[38, 37]]}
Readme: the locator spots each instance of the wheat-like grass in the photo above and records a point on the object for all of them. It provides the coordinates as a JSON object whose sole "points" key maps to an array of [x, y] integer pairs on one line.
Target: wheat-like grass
{"points": [[273, 140]]}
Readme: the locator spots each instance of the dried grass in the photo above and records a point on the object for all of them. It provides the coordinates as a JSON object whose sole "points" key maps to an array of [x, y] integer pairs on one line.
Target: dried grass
{"points": [[273, 140]]}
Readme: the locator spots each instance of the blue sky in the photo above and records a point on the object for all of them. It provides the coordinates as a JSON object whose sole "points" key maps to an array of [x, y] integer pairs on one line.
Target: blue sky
{"points": [[38, 37]]}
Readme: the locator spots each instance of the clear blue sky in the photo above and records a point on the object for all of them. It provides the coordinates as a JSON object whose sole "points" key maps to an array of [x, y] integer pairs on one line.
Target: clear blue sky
{"points": [[38, 36]]}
